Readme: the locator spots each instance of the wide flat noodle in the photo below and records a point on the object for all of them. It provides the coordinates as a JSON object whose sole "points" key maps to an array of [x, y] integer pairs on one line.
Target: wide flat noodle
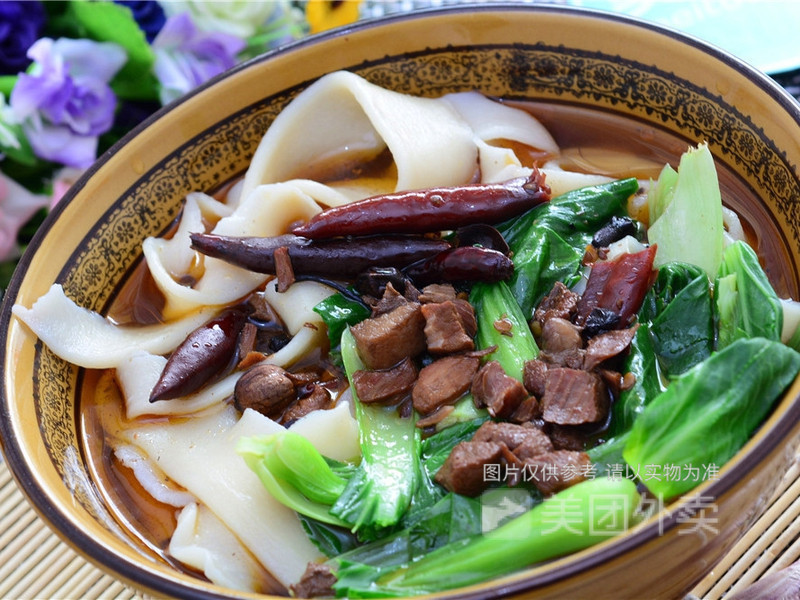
{"points": [[492, 121], [138, 374], [266, 211], [87, 339], [199, 455], [202, 541], [430, 144]]}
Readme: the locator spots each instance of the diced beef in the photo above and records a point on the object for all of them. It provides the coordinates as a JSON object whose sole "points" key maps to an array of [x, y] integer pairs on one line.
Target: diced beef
{"points": [[390, 300], [449, 326], [527, 411], [385, 386], [436, 417], [523, 441], [497, 391], [571, 359], [443, 382], [607, 345], [559, 303], [573, 397], [385, 340], [437, 292], [534, 373], [316, 582], [318, 399], [510, 434], [566, 437], [468, 469], [560, 335], [554, 471]]}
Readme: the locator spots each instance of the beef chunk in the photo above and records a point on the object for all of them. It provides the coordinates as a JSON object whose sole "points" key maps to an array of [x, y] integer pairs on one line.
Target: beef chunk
{"points": [[316, 582], [573, 397], [385, 386], [465, 470], [498, 392], [437, 292], [572, 358], [559, 335], [566, 437], [524, 441], [554, 471], [385, 340], [443, 382], [607, 345], [533, 376], [560, 303], [389, 300], [318, 399], [449, 326], [510, 434], [527, 411]]}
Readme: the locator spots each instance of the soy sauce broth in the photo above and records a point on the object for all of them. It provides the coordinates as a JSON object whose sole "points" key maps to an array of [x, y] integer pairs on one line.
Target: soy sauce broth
{"points": [[583, 135]]}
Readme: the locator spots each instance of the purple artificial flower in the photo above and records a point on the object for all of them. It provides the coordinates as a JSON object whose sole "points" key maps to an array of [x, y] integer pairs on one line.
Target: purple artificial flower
{"points": [[148, 14], [187, 57], [65, 102], [21, 24]]}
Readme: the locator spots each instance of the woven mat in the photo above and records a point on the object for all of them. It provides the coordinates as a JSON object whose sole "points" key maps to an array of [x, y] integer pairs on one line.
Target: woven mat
{"points": [[35, 564]]}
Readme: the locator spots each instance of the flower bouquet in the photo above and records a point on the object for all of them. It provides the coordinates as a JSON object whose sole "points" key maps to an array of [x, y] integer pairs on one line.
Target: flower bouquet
{"points": [[76, 76]]}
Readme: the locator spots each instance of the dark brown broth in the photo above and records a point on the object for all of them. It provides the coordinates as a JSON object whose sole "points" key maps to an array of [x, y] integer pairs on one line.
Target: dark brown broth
{"points": [[139, 302]]}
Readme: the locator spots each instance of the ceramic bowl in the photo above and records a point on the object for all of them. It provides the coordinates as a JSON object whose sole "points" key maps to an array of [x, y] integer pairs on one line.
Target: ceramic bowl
{"points": [[662, 80]]}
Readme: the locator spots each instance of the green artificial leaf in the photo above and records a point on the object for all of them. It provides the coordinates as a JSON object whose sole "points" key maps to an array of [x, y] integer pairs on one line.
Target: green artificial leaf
{"points": [[111, 22]]}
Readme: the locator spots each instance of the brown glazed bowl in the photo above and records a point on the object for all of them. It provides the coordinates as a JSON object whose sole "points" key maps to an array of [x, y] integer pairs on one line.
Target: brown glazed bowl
{"points": [[662, 80]]}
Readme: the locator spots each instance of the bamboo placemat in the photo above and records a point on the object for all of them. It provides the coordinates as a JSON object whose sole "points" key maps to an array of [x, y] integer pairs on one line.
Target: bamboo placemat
{"points": [[35, 564]]}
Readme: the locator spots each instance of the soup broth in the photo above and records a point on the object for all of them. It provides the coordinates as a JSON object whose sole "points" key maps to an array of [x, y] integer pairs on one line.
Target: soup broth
{"points": [[590, 140]]}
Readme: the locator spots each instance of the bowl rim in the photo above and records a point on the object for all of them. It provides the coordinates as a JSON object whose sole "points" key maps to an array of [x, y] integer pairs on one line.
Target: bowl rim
{"points": [[139, 575]]}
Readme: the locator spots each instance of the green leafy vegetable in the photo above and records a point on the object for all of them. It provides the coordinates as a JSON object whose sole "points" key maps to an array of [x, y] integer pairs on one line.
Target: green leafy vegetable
{"points": [[381, 490], [295, 473], [689, 228], [598, 509], [496, 307], [708, 413], [338, 312], [548, 242], [746, 302], [683, 331]]}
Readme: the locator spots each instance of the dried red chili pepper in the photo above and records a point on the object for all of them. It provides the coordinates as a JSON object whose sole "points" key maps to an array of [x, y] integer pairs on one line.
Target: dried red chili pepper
{"points": [[618, 285], [465, 263], [429, 210], [341, 258], [200, 357]]}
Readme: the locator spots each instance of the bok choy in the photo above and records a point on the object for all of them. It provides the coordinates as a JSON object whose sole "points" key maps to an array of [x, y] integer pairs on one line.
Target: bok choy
{"points": [[708, 413]]}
